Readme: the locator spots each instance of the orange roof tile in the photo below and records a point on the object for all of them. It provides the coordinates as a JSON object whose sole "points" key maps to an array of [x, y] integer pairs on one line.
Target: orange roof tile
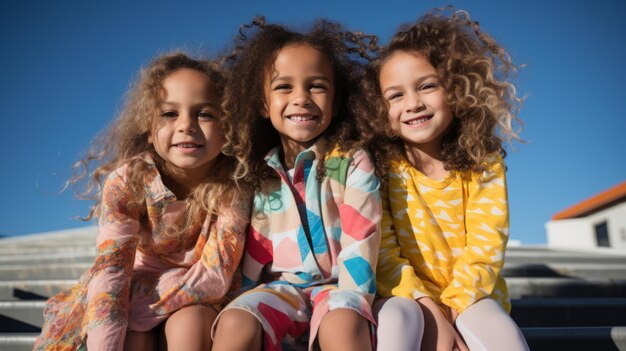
{"points": [[595, 203]]}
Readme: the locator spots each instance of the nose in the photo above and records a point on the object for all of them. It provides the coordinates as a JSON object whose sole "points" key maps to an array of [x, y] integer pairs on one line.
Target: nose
{"points": [[413, 102], [302, 98], [186, 123]]}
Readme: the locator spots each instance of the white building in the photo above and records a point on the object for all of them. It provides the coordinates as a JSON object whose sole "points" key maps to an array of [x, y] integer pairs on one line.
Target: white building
{"points": [[599, 221]]}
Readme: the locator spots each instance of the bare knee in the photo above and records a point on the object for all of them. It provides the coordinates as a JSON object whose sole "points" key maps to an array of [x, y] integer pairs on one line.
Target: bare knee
{"points": [[236, 320], [140, 340], [190, 328], [241, 323], [344, 329]]}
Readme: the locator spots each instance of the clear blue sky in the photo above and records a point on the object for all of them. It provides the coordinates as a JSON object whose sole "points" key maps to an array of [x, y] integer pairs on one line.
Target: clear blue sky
{"points": [[66, 65]]}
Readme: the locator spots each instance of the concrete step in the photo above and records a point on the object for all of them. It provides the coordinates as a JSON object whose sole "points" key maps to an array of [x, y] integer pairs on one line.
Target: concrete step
{"points": [[569, 312], [534, 257], [17, 341], [579, 270], [49, 258], [576, 338], [21, 316], [524, 287], [48, 271], [539, 339], [69, 242], [13, 290], [37, 251], [69, 236]]}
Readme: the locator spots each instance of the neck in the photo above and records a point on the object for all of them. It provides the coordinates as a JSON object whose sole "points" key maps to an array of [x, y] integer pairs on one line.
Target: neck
{"points": [[291, 150], [426, 160]]}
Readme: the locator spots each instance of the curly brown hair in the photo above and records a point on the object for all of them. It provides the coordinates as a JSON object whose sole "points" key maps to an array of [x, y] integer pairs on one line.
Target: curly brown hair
{"points": [[127, 137], [474, 71], [250, 136]]}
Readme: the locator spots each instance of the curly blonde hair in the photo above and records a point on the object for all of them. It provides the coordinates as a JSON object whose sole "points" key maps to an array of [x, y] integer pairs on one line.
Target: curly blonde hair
{"points": [[127, 137], [250, 136], [474, 71]]}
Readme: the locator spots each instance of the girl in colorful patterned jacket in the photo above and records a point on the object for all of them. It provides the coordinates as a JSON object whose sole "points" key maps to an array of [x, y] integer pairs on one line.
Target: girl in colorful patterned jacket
{"points": [[439, 104], [172, 220], [314, 235]]}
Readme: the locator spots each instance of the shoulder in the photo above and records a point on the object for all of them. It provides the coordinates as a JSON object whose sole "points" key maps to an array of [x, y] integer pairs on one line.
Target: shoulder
{"points": [[354, 157], [125, 184], [494, 169], [141, 163]]}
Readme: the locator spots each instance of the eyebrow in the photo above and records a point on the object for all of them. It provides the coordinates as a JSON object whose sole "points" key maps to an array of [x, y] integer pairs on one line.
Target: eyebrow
{"points": [[288, 78], [201, 104], [419, 80]]}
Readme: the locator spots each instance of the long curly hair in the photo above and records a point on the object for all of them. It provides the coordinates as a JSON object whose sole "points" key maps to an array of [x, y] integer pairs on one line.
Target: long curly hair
{"points": [[127, 137], [473, 69], [249, 136]]}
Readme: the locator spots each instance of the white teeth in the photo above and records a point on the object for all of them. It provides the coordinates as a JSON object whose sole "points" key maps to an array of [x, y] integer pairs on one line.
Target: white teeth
{"points": [[301, 118], [418, 121]]}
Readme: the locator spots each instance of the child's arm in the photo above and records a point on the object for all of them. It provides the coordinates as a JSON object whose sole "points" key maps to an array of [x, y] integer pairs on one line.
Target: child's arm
{"points": [[208, 280], [360, 220], [395, 275], [487, 225], [109, 287], [360, 215], [259, 249]]}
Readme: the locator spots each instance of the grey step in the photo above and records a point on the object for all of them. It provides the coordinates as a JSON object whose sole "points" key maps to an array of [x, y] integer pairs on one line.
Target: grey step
{"points": [[539, 339], [47, 271], [21, 316], [36, 251], [49, 258], [70, 235], [569, 312], [546, 257], [579, 270], [572, 338], [17, 341], [32, 289], [523, 287], [51, 243]]}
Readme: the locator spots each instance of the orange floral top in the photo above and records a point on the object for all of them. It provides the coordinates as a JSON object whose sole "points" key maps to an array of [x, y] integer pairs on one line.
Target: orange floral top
{"points": [[142, 273]]}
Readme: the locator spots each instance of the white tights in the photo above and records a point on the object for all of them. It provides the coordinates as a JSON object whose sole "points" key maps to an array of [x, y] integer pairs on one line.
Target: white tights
{"points": [[484, 326], [400, 324]]}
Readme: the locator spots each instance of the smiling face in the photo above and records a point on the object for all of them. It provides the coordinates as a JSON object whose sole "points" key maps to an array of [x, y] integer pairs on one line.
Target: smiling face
{"points": [[299, 95], [418, 112], [186, 133]]}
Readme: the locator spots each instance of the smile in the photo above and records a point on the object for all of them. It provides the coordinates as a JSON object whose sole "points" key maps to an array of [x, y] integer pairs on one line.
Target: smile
{"points": [[418, 120], [187, 145], [301, 118]]}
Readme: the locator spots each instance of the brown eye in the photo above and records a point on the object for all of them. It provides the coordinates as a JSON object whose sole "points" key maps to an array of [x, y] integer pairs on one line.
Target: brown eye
{"points": [[428, 86], [319, 86], [205, 115], [394, 96], [282, 87], [169, 114]]}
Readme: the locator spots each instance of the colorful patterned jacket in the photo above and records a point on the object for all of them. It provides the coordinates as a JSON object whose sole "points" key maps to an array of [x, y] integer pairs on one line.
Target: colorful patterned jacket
{"points": [[339, 240]]}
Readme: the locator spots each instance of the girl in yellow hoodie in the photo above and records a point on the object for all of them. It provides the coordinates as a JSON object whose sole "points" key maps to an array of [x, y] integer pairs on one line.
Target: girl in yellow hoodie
{"points": [[437, 106]]}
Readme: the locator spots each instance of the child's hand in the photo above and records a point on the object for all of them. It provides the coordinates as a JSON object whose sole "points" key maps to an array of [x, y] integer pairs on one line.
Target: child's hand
{"points": [[439, 333]]}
